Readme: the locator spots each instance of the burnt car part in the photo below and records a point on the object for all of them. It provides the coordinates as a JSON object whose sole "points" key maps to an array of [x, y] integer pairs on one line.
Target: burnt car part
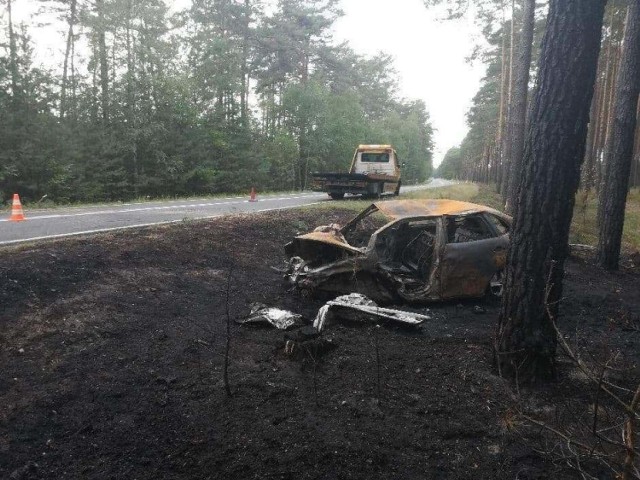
{"points": [[358, 308], [263, 314], [407, 250]]}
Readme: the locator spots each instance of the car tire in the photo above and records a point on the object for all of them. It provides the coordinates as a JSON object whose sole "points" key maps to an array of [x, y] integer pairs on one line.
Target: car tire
{"points": [[337, 196], [397, 192]]}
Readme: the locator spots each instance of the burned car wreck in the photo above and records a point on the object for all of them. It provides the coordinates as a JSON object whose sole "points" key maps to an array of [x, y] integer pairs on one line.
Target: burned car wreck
{"points": [[411, 251]]}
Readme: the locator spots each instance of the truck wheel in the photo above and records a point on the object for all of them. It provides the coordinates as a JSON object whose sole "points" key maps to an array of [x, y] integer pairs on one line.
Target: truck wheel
{"points": [[336, 195], [375, 192], [397, 192]]}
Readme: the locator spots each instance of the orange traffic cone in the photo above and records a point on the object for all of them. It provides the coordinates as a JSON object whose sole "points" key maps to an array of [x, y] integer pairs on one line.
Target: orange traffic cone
{"points": [[17, 215], [252, 198]]}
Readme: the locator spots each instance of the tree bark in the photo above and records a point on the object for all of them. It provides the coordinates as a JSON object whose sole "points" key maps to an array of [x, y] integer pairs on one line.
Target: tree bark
{"points": [[507, 144], [518, 114], [619, 150], [603, 111], [635, 171], [13, 58], [496, 158], [554, 150], [67, 53], [244, 70], [104, 67], [606, 125], [131, 102], [589, 156]]}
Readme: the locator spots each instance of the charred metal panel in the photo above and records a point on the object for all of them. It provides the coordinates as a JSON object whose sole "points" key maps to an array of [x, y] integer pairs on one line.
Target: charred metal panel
{"points": [[359, 308], [467, 267], [430, 207], [456, 267]]}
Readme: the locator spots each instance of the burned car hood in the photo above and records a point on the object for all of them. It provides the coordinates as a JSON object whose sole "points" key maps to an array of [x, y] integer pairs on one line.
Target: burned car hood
{"points": [[307, 245], [329, 239]]}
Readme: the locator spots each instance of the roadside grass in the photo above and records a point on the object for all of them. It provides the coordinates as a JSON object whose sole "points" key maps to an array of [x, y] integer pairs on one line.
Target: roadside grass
{"points": [[468, 192], [583, 227]]}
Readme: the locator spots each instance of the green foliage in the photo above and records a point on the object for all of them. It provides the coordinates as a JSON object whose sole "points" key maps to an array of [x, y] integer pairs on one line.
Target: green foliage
{"points": [[407, 128], [220, 97], [451, 166]]}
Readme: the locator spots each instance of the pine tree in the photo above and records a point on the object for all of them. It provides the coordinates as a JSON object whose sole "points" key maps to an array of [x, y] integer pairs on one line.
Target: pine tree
{"points": [[554, 150]]}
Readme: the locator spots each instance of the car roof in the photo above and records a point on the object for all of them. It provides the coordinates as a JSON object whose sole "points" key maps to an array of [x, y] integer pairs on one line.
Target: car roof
{"points": [[397, 209]]}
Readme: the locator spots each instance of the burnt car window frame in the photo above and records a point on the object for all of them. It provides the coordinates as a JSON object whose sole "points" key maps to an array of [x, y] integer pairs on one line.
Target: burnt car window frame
{"points": [[481, 215], [501, 221], [396, 224]]}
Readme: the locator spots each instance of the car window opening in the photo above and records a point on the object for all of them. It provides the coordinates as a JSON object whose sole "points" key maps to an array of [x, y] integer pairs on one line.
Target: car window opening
{"points": [[468, 228], [500, 225], [409, 247], [360, 233]]}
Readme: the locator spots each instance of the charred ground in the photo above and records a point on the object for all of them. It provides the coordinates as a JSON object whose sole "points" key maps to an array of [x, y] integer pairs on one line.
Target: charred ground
{"points": [[111, 351]]}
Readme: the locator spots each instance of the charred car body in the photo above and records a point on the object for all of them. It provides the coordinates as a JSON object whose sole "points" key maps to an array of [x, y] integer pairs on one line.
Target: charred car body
{"points": [[409, 250]]}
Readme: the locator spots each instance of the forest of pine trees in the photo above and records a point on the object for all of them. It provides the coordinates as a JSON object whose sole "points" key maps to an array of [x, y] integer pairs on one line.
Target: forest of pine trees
{"points": [[218, 97], [497, 117], [577, 129]]}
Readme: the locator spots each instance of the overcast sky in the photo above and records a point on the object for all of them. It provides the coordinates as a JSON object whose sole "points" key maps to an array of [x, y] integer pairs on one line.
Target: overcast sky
{"points": [[429, 57], [429, 54]]}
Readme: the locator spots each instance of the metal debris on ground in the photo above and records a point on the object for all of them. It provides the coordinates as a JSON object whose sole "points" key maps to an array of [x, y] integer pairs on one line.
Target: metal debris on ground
{"points": [[263, 314], [357, 307]]}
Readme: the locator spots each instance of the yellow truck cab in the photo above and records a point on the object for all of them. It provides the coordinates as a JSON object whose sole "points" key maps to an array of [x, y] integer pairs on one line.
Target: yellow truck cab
{"points": [[375, 170]]}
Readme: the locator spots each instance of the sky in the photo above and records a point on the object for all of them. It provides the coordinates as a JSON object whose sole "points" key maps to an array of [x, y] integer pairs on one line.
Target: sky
{"points": [[430, 54]]}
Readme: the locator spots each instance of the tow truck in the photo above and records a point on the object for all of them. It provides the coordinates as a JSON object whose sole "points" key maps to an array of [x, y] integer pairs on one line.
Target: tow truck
{"points": [[375, 170]]}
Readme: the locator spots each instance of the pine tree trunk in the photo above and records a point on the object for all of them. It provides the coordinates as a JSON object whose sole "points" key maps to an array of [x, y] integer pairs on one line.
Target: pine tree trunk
{"points": [[13, 58], [619, 150], [496, 158], [604, 110], [131, 114], [589, 156], [67, 54], [554, 150], [104, 67], [518, 114], [599, 128], [635, 173], [74, 103], [507, 139], [244, 70], [610, 97], [94, 86]]}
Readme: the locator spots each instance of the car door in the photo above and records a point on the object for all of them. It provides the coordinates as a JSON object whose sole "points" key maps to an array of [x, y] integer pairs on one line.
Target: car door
{"points": [[474, 252]]}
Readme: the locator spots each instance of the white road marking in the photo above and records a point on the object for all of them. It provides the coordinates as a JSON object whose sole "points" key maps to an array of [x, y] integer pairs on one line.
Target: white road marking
{"points": [[141, 225], [168, 207], [162, 207]]}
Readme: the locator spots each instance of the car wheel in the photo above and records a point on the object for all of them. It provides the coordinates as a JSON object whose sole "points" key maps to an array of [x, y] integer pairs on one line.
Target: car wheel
{"points": [[397, 192], [337, 196], [496, 285]]}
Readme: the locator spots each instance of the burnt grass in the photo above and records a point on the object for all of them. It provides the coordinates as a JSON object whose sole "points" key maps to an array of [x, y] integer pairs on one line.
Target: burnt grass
{"points": [[112, 347]]}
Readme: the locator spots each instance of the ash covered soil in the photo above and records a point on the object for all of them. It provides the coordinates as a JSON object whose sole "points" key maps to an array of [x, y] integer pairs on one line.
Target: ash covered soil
{"points": [[112, 348]]}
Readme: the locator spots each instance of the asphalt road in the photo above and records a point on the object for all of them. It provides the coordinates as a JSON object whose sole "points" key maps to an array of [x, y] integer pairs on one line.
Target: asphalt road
{"points": [[63, 222]]}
